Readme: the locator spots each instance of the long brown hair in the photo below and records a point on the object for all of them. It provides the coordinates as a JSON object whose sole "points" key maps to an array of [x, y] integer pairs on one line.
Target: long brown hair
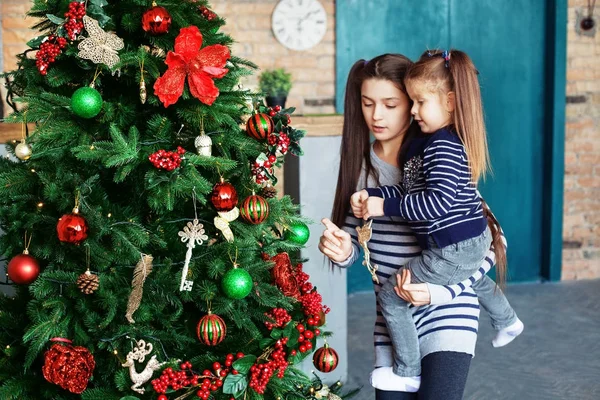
{"points": [[453, 71], [355, 148], [498, 243]]}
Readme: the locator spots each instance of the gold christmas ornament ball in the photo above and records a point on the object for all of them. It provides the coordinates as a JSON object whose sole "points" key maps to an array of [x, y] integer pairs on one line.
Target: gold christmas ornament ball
{"points": [[23, 151]]}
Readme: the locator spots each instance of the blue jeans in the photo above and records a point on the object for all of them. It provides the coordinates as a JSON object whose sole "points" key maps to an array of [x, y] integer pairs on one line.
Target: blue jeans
{"points": [[442, 266]]}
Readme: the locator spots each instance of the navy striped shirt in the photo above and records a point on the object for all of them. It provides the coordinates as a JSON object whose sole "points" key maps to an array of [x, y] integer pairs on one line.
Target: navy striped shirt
{"points": [[436, 196]]}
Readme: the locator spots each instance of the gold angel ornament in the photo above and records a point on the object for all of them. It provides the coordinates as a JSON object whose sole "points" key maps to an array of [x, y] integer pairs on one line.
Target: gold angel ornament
{"points": [[100, 47]]}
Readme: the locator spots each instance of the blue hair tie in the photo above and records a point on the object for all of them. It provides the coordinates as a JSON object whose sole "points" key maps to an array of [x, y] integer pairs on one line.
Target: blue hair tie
{"points": [[444, 54]]}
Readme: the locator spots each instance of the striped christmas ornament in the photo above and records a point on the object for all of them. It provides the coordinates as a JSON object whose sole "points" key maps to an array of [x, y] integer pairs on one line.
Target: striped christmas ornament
{"points": [[211, 329], [254, 209], [325, 359], [259, 126]]}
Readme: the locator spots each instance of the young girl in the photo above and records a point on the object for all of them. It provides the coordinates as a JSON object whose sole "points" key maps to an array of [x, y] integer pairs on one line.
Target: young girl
{"points": [[438, 196], [447, 319]]}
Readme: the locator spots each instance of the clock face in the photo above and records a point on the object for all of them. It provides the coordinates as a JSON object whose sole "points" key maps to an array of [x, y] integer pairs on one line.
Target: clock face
{"points": [[299, 24]]}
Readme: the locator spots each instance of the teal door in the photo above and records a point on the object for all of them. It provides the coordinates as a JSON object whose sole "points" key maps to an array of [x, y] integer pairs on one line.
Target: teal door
{"points": [[512, 43]]}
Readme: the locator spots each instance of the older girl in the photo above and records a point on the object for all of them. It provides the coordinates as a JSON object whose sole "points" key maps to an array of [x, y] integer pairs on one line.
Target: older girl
{"points": [[376, 101]]}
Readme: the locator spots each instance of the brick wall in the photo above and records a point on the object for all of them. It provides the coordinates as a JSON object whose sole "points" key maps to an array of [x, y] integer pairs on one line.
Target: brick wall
{"points": [[249, 23], [313, 71], [581, 231]]}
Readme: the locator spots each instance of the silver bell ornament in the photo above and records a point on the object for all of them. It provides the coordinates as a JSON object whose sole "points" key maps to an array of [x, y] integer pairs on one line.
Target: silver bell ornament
{"points": [[23, 151], [203, 144]]}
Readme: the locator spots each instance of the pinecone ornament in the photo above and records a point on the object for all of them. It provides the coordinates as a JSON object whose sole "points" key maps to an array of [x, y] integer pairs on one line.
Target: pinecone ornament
{"points": [[88, 283], [268, 192]]}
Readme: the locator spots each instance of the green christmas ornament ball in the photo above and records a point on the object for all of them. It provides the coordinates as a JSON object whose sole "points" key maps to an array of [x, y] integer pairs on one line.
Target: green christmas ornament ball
{"points": [[86, 102], [297, 233], [237, 283]]}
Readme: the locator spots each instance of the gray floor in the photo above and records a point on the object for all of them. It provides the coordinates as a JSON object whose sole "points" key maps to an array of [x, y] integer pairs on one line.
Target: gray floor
{"points": [[556, 358]]}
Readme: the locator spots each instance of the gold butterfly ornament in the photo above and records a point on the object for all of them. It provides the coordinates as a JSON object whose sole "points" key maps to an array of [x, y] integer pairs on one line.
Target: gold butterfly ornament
{"points": [[100, 47]]}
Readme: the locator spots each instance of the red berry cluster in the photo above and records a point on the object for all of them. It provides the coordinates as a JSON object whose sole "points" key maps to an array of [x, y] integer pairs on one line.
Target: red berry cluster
{"points": [[168, 160], [305, 338], [311, 303], [206, 13], [260, 374], [301, 276], [274, 110], [213, 380], [74, 16], [175, 379], [50, 48], [280, 316], [185, 378]]}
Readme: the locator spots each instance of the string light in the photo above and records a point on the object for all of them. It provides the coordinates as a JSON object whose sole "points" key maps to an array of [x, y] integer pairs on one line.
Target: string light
{"points": [[109, 215], [40, 205], [33, 170]]}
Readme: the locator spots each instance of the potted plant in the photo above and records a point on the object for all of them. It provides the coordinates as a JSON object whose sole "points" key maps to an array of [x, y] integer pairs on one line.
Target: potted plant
{"points": [[276, 85]]}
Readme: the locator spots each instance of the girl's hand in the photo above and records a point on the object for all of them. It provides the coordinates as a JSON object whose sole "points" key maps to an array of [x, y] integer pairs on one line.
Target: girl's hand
{"points": [[415, 293], [372, 207], [356, 203], [335, 243]]}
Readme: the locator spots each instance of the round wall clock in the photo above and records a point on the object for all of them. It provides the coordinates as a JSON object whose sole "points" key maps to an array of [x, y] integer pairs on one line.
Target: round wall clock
{"points": [[299, 24]]}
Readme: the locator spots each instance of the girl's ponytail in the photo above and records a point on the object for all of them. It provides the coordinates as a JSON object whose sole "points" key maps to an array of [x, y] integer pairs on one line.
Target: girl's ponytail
{"points": [[468, 112], [355, 144], [498, 243]]}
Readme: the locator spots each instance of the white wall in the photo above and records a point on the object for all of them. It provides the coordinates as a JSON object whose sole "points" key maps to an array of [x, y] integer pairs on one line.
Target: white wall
{"points": [[318, 172]]}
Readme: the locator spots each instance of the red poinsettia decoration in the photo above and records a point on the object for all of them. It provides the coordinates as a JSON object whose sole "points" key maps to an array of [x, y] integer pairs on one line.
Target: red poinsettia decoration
{"points": [[200, 66]]}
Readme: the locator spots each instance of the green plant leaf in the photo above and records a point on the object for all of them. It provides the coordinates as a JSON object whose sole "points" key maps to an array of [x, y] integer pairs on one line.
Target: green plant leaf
{"points": [[243, 364], [265, 342], [55, 19], [235, 385]]}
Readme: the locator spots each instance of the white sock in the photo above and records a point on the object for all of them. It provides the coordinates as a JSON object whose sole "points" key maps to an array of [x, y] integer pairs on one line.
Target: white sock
{"points": [[508, 334], [384, 379]]}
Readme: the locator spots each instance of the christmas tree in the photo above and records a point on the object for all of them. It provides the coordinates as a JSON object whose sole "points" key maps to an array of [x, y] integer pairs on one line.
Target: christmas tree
{"points": [[138, 273]]}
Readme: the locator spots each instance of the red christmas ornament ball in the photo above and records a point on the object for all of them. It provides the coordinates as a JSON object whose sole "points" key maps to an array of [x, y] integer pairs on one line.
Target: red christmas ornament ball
{"points": [[72, 228], [254, 209], [259, 126], [224, 196], [23, 269], [211, 329], [325, 359], [156, 20]]}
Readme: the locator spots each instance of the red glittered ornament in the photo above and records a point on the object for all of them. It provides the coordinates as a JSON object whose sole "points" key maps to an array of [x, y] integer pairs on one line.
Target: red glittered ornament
{"points": [[69, 367], [224, 196], [211, 329], [156, 20], [260, 126], [23, 269], [254, 209], [72, 228], [325, 359]]}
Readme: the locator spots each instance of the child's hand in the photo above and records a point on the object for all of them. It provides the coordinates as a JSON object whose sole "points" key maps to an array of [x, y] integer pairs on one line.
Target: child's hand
{"points": [[372, 207], [356, 203]]}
